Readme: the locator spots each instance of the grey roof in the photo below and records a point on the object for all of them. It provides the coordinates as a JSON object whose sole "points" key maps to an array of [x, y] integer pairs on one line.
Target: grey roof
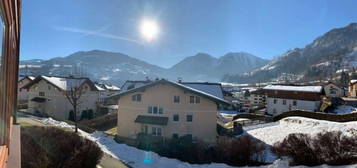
{"points": [[214, 89], [133, 84], [200, 90]]}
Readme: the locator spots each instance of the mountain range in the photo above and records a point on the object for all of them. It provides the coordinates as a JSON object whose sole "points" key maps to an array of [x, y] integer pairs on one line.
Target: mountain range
{"points": [[118, 67], [331, 53]]}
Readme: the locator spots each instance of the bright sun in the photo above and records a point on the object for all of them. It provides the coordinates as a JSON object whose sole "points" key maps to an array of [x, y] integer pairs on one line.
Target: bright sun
{"points": [[149, 29]]}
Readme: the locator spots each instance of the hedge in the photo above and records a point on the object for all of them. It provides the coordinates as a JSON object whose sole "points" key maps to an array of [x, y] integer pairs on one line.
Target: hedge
{"points": [[318, 116], [301, 113]]}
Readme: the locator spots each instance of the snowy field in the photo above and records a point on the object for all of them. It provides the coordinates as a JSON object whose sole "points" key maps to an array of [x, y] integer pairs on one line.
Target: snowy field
{"points": [[277, 132], [270, 134]]}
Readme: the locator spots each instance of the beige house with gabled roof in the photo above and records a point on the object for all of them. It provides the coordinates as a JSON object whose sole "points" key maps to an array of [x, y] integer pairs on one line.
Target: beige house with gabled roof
{"points": [[168, 109], [46, 96], [22, 94]]}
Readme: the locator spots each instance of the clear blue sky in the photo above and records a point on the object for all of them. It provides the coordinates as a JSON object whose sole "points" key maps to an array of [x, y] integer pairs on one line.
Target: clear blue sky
{"points": [[265, 28]]}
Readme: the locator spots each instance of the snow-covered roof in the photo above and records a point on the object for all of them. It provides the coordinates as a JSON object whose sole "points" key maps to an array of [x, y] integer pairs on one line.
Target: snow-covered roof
{"points": [[99, 87], [212, 95], [64, 83], [31, 77], [26, 77], [314, 89], [112, 87], [214, 89], [353, 81]]}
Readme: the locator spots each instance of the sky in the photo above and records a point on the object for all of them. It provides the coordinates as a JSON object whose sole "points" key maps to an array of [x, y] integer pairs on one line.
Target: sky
{"points": [[265, 28]]}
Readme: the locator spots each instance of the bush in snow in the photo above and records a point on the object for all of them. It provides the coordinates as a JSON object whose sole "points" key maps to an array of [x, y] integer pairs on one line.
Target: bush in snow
{"points": [[331, 148], [239, 152], [54, 147]]}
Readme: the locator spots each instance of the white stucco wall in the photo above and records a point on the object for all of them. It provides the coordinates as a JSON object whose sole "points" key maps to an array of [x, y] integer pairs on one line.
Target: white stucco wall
{"points": [[300, 105], [58, 105]]}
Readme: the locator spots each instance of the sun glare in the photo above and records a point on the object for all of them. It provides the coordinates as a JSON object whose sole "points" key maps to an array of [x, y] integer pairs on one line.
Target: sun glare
{"points": [[149, 29]]}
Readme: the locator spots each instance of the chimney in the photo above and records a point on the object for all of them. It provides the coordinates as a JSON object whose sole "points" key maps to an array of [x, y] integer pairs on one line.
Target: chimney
{"points": [[179, 79]]}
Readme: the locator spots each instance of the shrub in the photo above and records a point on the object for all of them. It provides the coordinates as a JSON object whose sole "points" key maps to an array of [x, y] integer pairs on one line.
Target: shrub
{"points": [[239, 152], [84, 114], [44, 147], [236, 152], [331, 148]]}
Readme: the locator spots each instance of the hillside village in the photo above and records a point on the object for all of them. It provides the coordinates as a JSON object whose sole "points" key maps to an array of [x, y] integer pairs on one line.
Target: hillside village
{"points": [[178, 84], [161, 109]]}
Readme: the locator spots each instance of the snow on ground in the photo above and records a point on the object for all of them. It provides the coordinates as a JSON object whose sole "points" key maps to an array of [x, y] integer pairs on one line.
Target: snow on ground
{"points": [[286, 126], [134, 157], [345, 109], [270, 134]]}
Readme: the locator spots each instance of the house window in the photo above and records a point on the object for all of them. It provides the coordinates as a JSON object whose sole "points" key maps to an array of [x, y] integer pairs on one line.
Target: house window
{"points": [[294, 103], [176, 99], [154, 110], [284, 102], [198, 100], [274, 111], [144, 129], [41, 93], [153, 131], [189, 118], [49, 87], [275, 101], [158, 132], [136, 97], [176, 117], [149, 109], [192, 99], [195, 99], [161, 110], [175, 135]]}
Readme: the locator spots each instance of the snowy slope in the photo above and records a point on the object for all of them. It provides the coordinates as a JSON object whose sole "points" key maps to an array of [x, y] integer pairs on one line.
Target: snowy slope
{"points": [[276, 133]]}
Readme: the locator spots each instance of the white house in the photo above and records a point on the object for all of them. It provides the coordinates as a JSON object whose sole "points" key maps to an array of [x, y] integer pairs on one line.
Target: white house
{"points": [[333, 90], [46, 96], [257, 97], [281, 98]]}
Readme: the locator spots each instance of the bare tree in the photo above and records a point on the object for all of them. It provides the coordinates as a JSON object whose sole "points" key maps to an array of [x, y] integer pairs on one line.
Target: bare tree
{"points": [[74, 95]]}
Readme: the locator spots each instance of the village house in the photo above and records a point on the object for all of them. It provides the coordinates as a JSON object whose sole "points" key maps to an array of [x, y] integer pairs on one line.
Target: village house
{"points": [[333, 90], [22, 94], [257, 97], [131, 84], [46, 96], [170, 109], [352, 88], [106, 91], [281, 98]]}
